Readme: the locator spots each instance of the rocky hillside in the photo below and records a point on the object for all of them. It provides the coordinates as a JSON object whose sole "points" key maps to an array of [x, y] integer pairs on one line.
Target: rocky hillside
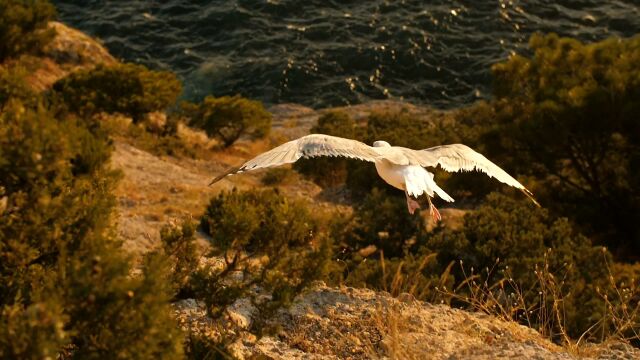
{"points": [[348, 323], [323, 323]]}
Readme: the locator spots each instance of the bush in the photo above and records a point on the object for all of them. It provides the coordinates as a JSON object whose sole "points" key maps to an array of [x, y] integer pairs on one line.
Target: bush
{"points": [[255, 220], [179, 243], [273, 240], [568, 116], [23, 26], [383, 248], [32, 331], [13, 86], [229, 117], [532, 248], [383, 221], [161, 140], [128, 89], [65, 285], [276, 176], [416, 274]]}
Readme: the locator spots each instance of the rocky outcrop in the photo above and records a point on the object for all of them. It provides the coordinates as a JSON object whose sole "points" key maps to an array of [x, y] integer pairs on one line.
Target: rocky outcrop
{"points": [[348, 323], [69, 51]]}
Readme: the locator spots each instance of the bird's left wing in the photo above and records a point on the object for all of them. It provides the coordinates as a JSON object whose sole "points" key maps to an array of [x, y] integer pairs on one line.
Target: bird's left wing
{"points": [[309, 146], [459, 157]]}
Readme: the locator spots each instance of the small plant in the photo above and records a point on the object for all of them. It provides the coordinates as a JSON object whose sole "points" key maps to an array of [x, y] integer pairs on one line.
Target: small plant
{"points": [[272, 241], [179, 244], [382, 221], [14, 86], [414, 274], [23, 27], [227, 118], [128, 89], [546, 304], [276, 176]]}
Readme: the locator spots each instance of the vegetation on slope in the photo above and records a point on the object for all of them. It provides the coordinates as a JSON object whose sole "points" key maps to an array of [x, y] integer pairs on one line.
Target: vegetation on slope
{"points": [[563, 119], [229, 117], [127, 89], [23, 27]]}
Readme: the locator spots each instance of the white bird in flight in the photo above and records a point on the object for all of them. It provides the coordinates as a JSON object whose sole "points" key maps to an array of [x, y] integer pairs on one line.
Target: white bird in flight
{"points": [[400, 167]]}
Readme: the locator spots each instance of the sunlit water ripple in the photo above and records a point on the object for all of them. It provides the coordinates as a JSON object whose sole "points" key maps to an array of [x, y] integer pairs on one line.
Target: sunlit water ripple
{"points": [[325, 53]]}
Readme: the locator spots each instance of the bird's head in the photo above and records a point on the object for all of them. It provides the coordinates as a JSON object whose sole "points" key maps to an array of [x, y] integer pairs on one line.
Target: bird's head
{"points": [[381, 143]]}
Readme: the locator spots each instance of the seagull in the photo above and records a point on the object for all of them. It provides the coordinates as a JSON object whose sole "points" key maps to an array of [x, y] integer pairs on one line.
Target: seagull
{"points": [[400, 167]]}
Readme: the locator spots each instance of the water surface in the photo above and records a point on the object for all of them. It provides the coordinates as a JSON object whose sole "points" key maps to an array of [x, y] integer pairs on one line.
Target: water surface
{"points": [[325, 53]]}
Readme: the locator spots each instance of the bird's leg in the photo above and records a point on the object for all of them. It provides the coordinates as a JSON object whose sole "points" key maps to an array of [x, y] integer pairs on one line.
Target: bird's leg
{"points": [[435, 214], [412, 205]]}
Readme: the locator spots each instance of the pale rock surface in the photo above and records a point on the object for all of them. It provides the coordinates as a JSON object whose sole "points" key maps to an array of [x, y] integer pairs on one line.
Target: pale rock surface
{"points": [[347, 323], [70, 50]]}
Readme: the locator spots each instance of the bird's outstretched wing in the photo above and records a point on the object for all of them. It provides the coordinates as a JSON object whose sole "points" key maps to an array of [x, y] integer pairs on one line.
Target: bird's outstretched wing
{"points": [[309, 146], [459, 157]]}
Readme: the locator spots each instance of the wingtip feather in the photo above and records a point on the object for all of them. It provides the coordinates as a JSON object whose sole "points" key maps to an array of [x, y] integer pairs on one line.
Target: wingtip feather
{"points": [[230, 171], [529, 194]]}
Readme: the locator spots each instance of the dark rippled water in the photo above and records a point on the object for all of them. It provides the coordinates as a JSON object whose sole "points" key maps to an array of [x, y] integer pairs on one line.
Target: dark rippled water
{"points": [[324, 53]]}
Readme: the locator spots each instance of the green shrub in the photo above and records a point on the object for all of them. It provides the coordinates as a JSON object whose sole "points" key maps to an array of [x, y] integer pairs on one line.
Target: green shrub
{"points": [[383, 221], [256, 220], [65, 284], [128, 89], [229, 117], [416, 274], [276, 176], [115, 315], [23, 26], [13, 86], [532, 248], [178, 242], [273, 240], [400, 128], [161, 142], [568, 116], [382, 248]]}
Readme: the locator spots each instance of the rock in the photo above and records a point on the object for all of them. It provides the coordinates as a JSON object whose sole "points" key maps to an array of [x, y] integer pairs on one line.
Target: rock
{"points": [[348, 323], [69, 51], [406, 298], [3, 204], [241, 312]]}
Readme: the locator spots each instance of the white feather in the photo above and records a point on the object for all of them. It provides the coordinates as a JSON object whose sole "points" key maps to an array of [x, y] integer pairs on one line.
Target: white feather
{"points": [[398, 166]]}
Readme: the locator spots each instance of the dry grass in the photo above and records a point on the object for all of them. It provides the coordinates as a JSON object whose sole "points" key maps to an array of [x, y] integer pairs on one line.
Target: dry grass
{"points": [[507, 300]]}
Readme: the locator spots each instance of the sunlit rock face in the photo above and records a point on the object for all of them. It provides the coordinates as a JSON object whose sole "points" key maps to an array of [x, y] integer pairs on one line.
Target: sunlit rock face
{"points": [[69, 51], [341, 323]]}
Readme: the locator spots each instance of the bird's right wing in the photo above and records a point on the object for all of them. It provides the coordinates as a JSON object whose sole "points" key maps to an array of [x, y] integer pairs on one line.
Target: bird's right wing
{"points": [[309, 146]]}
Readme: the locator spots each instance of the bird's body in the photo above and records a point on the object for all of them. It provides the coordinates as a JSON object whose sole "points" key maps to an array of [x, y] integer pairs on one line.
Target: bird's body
{"points": [[400, 167], [393, 174]]}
